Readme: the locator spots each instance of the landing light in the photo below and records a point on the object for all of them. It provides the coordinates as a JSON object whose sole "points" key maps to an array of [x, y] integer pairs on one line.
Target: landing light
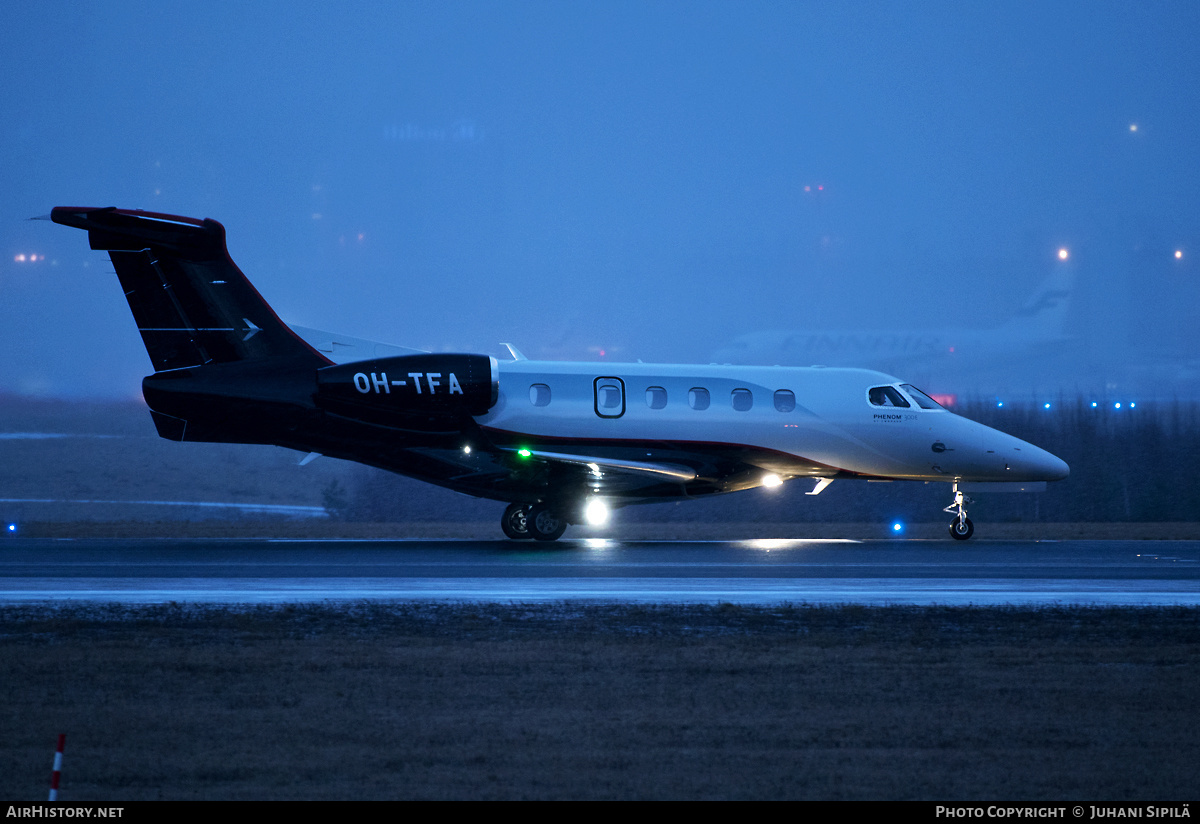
{"points": [[771, 480], [466, 450], [596, 512]]}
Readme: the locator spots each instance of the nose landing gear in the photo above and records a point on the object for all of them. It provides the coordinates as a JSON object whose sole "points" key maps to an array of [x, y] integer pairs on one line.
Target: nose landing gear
{"points": [[961, 527]]}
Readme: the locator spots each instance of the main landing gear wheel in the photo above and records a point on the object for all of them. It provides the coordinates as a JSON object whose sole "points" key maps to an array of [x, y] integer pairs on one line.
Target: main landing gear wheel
{"points": [[544, 525], [515, 522], [962, 529]]}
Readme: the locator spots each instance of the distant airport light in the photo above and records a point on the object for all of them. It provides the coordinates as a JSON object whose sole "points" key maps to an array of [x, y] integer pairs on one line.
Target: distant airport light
{"points": [[12, 528], [1046, 406], [1178, 254], [897, 527], [596, 512], [1133, 406], [999, 404], [1063, 254], [1133, 127], [944, 399], [1094, 404], [1117, 405], [771, 480]]}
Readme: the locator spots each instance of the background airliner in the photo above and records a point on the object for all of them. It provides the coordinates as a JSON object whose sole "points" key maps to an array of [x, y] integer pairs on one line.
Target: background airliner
{"points": [[560, 442], [944, 355]]}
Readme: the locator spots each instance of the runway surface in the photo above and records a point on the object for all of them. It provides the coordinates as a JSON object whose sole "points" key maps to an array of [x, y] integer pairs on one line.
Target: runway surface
{"points": [[748, 572]]}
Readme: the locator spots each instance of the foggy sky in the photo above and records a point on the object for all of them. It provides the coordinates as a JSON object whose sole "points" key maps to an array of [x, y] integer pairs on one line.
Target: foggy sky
{"points": [[625, 177]]}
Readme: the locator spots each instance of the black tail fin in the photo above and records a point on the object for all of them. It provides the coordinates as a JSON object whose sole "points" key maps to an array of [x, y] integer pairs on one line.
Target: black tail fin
{"points": [[191, 303]]}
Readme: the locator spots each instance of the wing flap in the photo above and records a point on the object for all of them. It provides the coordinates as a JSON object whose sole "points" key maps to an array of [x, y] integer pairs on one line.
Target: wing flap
{"points": [[658, 471]]}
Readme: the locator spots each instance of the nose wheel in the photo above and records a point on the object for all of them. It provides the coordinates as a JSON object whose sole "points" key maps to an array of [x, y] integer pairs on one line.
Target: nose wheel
{"points": [[961, 527]]}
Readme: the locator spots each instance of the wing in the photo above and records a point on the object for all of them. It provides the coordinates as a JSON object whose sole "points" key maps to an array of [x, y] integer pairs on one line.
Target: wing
{"points": [[598, 466]]}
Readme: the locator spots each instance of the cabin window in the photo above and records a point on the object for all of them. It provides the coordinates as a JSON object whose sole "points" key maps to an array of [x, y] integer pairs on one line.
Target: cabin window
{"points": [[656, 397], [539, 394], [742, 400], [923, 400], [887, 396], [608, 396], [698, 398], [785, 400]]}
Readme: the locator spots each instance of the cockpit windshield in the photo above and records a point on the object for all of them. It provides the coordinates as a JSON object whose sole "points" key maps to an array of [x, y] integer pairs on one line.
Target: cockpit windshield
{"points": [[886, 396], [923, 400]]}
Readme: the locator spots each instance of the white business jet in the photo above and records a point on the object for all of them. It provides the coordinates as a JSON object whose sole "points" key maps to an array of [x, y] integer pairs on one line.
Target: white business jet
{"points": [[560, 442]]}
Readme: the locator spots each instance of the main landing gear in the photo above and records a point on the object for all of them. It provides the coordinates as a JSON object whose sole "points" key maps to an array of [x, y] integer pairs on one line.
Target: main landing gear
{"points": [[515, 522], [539, 521], [961, 527]]}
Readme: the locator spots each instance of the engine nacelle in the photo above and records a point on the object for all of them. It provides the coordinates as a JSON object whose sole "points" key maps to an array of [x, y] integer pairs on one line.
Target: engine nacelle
{"points": [[431, 391]]}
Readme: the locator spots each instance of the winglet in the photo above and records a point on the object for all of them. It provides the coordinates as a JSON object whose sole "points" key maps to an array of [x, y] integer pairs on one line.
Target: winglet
{"points": [[512, 350]]}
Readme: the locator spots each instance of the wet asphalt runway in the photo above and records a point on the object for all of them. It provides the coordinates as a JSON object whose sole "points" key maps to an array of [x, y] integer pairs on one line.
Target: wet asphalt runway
{"points": [[749, 572]]}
